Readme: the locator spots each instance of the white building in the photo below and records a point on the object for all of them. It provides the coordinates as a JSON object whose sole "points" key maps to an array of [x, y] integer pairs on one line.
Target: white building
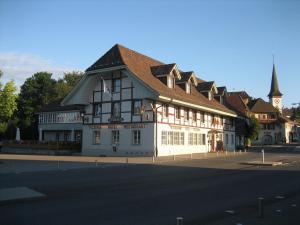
{"points": [[133, 105]]}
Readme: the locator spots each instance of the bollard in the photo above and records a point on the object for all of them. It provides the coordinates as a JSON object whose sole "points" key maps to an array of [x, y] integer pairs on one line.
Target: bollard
{"points": [[152, 159], [191, 155], [174, 157], [263, 155], [240, 151], [261, 207], [127, 160], [234, 152], [58, 164], [179, 221]]}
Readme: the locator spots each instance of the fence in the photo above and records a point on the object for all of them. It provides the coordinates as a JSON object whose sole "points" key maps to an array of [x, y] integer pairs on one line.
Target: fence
{"points": [[48, 145]]}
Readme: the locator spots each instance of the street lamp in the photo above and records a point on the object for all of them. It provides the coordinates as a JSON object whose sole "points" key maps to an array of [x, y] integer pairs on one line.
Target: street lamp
{"points": [[155, 110]]}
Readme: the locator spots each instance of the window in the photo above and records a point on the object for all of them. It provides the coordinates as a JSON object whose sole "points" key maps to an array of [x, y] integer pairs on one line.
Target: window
{"points": [[232, 139], [226, 139], [170, 80], [96, 137], [209, 95], [176, 138], [202, 118], [190, 138], [116, 85], [186, 115], [199, 139], [194, 113], [136, 137], [97, 109], [170, 138], [116, 110], [203, 139], [137, 105], [164, 138], [177, 113], [194, 138], [181, 138], [115, 137], [188, 87], [165, 111]]}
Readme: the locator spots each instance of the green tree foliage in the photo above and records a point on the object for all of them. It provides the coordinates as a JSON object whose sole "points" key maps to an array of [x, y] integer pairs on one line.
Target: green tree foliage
{"points": [[65, 85], [36, 92], [8, 105], [253, 129], [8, 99]]}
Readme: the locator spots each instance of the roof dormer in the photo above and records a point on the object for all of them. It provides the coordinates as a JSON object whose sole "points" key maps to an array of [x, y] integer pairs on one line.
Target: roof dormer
{"points": [[208, 89], [187, 80], [167, 73], [220, 96]]}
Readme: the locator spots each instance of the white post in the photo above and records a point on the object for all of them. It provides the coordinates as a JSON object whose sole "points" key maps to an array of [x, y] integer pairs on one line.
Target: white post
{"points": [[40, 134], [263, 155], [179, 221], [18, 138]]}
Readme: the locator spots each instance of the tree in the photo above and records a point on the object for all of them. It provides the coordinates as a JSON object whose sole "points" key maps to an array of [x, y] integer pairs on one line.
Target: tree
{"points": [[8, 104], [253, 129], [66, 84], [1, 73], [35, 93]]}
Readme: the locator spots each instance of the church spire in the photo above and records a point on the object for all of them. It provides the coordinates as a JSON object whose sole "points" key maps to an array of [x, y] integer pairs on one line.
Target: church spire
{"points": [[274, 85]]}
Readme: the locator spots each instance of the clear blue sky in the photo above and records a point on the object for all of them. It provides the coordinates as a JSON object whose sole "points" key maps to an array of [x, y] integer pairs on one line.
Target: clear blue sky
{"points": [[230, 42]]}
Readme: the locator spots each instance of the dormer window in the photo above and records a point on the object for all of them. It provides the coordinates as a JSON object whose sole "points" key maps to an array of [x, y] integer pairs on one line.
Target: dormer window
{"points": [[188, 87], [170, 81], [166, 73], [210, 95]]}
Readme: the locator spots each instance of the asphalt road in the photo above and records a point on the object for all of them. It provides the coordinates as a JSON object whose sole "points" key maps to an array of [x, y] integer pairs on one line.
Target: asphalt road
{"points": [[199, 190]]}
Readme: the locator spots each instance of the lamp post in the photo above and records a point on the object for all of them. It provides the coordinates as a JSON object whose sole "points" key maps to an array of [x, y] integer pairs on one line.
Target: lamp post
{"points": [[155, 112]]}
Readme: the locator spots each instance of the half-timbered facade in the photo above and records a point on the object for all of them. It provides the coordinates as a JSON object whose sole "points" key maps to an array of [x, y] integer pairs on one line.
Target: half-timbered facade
{"points": [[137, 106]]}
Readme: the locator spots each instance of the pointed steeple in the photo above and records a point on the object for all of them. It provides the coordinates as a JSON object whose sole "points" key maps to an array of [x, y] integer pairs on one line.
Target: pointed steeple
{"points": [[274, 85]]}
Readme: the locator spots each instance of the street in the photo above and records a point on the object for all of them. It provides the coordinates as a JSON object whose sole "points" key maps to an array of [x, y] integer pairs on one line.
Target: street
{"points": [[199, 190]]}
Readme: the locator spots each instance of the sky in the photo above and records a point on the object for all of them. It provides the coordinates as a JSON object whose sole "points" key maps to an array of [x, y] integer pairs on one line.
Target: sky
{"points": [[230, 42]]}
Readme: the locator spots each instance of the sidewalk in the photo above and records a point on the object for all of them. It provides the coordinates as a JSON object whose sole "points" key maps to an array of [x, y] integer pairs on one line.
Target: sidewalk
{"points": [[11, 163], [133, 160]]}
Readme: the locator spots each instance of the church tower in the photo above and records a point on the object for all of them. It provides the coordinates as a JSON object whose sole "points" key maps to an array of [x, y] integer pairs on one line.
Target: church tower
{"points": [[275, 96]]}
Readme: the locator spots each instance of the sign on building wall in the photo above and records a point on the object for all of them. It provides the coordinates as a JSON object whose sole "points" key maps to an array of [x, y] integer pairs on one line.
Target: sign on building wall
{"points": [[118, 126]]}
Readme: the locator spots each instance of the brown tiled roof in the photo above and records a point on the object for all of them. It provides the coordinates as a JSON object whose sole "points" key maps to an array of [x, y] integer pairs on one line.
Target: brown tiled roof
{"points": [[56, 106], [205, 86], [236, 103], [243, 94], [162, 69], [140, 65], [260, 106]]}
